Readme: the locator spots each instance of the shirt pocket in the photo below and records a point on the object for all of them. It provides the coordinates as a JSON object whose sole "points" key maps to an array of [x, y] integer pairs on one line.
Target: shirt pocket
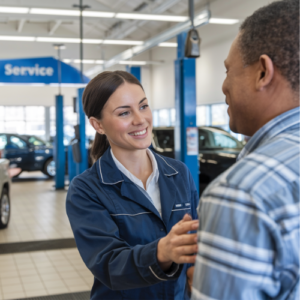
{"points": [[182, 208]]}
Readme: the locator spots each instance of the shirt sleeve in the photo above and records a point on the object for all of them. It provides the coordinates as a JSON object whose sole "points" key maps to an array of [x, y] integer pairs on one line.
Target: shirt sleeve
{"points": [[237, 245], [111, 259]]}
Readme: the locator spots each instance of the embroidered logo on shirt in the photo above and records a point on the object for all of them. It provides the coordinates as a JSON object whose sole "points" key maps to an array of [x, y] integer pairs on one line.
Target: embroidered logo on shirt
{"points": [[178, 205]]}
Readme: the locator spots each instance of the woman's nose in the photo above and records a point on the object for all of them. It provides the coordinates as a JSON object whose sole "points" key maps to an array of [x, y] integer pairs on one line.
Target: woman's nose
{"points": [[138, 118]]}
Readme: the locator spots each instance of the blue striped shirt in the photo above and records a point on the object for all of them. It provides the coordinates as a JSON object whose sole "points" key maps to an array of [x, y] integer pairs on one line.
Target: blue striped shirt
{"points": [[248, 235]]}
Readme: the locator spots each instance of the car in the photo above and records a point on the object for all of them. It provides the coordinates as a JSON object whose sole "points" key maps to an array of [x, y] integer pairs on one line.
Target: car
{"points": [[218, 150], [28, 153], [5, 183]]}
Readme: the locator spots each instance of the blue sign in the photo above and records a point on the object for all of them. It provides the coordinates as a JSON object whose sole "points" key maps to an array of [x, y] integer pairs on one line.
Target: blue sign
{"points": [[38, 70]]}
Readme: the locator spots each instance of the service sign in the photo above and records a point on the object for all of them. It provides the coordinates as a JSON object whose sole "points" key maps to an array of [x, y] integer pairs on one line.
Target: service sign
{"points": [[37, 70], [192, 140]]}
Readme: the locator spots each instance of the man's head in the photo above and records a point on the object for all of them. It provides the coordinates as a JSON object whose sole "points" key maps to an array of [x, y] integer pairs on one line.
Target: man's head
{"points": [[263, 67]]}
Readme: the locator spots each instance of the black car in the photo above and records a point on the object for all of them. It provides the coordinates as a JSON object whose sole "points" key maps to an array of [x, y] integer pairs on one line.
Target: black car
{"points": [[27, 152], [218, 150]]}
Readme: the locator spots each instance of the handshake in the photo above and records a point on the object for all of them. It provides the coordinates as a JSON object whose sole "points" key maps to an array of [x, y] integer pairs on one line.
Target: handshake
{"points": [[179, 246]]}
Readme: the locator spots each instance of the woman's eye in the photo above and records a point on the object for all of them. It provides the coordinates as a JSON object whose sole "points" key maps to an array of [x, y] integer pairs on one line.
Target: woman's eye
{"points": [[125, 113], [144, 106]]}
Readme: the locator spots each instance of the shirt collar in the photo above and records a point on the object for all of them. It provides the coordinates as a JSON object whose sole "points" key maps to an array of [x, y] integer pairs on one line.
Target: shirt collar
{"points": [[155, 171], [273, 128]]}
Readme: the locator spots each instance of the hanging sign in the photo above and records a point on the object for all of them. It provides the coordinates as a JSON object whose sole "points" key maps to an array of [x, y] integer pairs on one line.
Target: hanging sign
{"points": [[38, 70], [192, 141]]}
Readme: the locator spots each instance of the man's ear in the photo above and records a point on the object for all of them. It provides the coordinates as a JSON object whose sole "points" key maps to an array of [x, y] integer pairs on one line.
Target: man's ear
{"points": [[265, 72], [96, 125]]}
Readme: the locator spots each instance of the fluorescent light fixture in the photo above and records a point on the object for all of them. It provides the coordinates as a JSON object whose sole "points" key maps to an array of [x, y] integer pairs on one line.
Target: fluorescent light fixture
{"points": [[131, 62], [84, 61], [167, 45], [14, 10], [17, 38], [92, 41], [151, 17], [122, 42], [57, 40], [50, 11], [98, 14], [99, 62], [67, 60], [223, 21]]}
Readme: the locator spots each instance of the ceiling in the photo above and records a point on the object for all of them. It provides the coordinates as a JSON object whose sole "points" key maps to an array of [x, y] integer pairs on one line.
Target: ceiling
{"points": [[104, 28]]}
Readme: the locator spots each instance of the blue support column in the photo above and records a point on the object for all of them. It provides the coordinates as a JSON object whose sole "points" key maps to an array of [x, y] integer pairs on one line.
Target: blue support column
{"points": [[83, 165], [59, 144], [186, 131], [71, 164], [136, 71]]}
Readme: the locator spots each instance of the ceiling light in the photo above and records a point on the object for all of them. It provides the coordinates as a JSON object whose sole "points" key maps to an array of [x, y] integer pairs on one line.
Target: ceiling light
{"points": [[151, 17], [14, 10], [50, 11], [92, 41], [84, 61], [17, 38], [67, 60], [57, 40], [130, 62], [167, 45], [98, 14], [223, 21], [99, 62], [122, 42]]}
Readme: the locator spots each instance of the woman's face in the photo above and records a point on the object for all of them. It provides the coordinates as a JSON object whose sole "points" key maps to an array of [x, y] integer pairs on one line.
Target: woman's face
{"points": [[127, 119]]}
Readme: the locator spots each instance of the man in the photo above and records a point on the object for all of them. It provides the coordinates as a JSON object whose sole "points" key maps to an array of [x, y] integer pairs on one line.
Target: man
{"points": [[248, 236]]}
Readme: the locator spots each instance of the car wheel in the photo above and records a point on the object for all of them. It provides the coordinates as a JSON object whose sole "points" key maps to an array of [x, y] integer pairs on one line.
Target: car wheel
{"points": [[49, 168], [4, 209]]}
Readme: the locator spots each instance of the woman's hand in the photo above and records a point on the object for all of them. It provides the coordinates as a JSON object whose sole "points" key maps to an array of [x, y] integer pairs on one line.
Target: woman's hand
{"points": [[190, 275], [178, 246]]}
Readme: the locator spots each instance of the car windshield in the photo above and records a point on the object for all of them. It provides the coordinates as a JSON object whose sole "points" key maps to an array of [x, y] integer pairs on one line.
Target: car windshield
{"points": [[35, 141], [164, 138]]}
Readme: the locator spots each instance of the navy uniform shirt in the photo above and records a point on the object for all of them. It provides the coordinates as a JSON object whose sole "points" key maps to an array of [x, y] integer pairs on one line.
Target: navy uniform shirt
{"points": [[117, 229]]}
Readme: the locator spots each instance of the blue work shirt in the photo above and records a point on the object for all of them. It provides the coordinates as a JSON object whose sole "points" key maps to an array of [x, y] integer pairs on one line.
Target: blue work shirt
{"points": [[117, 229]]}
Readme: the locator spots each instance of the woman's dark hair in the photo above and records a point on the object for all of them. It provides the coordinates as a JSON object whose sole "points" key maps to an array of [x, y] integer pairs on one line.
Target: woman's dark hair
{"points": [[96, 94]]}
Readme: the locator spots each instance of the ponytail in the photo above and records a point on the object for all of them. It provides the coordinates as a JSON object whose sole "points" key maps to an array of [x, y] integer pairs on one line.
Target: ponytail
{"points": [[100, 145]]}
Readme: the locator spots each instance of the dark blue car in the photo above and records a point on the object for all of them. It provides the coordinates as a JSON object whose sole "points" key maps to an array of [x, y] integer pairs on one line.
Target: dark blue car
{"points": [[27, 152]]}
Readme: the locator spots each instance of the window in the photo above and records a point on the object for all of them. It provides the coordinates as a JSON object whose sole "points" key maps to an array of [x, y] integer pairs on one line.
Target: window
{"points": [[164, 139], [219, 114], [164, 117], [203, 139], [201, 115], [225, 141], [35, 141], [17, 142], [3, 141]]}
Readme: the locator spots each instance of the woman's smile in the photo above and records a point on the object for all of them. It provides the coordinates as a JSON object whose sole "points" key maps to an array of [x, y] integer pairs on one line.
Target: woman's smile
{"points": [[139, 134]]}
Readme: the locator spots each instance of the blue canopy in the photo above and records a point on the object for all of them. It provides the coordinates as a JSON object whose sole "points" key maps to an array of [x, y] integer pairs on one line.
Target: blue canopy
{"points": [[38, 70]]}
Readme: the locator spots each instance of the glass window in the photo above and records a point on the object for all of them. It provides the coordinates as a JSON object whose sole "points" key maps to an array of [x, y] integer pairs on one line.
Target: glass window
{"points": [[155, 118], [173, 116], [204, 139], [164, 117], [201, 115], [17, 142], [34, 113], [36, 141], [3, 141], [164, 139], [14, 113], [18, 127], [219, 114], [225, 141]]}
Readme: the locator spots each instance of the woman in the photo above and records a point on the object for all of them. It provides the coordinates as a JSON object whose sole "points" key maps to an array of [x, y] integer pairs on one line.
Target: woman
{"points": [[126, 211]]}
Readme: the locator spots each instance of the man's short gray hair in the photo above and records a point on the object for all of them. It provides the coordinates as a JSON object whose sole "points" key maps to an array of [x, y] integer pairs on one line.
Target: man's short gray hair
{"points": [[274, 30]]}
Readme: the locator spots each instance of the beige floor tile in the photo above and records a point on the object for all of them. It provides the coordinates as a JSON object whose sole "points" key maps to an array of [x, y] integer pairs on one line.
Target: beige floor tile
{"points": [[9, 296], [50, 277], [10, 281], [74, 281], [31, 279], [12, 289], [28, 272], [79, 288], [57, 290], [9, 274], [54, 284], [33, 286], [67, 275], [36, 293]]}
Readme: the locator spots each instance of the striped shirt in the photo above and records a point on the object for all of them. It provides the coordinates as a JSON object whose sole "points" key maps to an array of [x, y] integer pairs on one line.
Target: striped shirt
{"points": [[248, 235]]}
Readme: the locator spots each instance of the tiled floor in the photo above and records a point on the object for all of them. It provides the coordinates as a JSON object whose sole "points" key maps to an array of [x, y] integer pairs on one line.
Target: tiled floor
{"points": [[38, 213], [43, 273]]}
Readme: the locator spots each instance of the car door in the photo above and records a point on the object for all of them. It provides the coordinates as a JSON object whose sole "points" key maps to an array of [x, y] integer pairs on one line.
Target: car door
{"points": [[18, 152]]}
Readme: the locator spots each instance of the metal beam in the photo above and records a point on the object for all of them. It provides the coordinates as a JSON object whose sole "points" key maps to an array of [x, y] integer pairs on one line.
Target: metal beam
{"points": [[21, 24], [200, 19], [54, 27]]}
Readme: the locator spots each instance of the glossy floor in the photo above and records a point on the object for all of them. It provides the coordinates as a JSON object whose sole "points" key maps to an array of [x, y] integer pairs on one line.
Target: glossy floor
{"points": [[38, 214]]}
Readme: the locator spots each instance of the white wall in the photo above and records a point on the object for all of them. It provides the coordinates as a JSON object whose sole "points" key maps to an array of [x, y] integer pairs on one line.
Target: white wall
{"points": [[210, 73], [34, 95]]}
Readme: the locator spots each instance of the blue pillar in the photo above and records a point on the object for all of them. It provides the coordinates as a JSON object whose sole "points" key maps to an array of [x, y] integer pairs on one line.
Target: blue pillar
{"points": [[83, 165], [71, 164], [136, 71], [186, 131], [59, 144]]}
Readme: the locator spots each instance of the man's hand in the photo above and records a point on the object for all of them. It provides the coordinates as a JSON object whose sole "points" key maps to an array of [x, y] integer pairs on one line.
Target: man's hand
{"points": [[189, 275], [178, 246]]}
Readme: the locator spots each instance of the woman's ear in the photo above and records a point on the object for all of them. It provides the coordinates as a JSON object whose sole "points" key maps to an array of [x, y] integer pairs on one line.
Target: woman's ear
{"points": [[96, 125], [266, 72]]}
